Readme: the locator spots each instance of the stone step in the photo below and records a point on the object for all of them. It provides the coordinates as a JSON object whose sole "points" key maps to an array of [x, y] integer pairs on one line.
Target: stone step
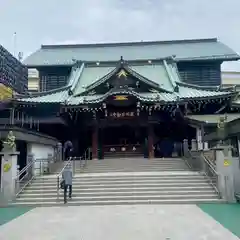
{"points": [[134, 185], [119, 193], [122, 189], [137, 167], [117, 202], [123, 154], [123, 178], [136, 161], [124, 182], [124, 197], [129, 170]]}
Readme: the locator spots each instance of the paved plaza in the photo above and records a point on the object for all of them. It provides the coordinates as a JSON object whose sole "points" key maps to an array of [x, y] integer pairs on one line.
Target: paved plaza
{"points": [[160, 222]]}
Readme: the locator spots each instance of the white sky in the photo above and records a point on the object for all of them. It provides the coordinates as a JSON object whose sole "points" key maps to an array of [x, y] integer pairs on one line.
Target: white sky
{"points": [[86, 21]]}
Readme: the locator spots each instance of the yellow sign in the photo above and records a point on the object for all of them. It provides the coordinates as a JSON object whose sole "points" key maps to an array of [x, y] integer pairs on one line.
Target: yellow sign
{"points": [[7, 167], [120, 98], [5, 92], [226, 163]]}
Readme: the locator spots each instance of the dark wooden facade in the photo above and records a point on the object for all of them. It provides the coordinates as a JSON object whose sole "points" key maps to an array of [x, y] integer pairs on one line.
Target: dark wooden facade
{"points": [[201, 73], [53, 77]]}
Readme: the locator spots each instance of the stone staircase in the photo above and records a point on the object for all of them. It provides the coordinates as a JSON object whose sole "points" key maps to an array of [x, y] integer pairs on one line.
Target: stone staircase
{"points": [[117, 155], [114, 182], [135, 164]]}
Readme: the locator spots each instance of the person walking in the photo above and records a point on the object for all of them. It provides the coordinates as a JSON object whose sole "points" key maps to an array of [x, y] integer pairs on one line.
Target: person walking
{"points": [[67, 176], [68, 150]]}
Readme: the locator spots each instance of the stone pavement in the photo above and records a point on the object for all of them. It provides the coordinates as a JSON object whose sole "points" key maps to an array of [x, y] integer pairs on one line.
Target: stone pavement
{"points": [[160, 222]]}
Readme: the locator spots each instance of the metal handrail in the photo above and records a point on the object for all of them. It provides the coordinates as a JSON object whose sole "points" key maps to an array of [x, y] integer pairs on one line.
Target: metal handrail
{"points": [[202, 164], [24, 174], [212, 170]]}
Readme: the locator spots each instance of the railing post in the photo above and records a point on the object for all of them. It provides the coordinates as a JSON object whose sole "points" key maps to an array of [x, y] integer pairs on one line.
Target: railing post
{"points": [[205, 145], [194, 145], [30, 158], [74, 165], [58, 187], [59, 152], [185, 147]]}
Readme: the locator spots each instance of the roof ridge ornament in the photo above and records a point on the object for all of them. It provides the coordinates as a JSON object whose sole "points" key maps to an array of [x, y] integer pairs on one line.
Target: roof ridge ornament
{"points": [[176, 88], [70, 92], [122, 73], [122, 61]]}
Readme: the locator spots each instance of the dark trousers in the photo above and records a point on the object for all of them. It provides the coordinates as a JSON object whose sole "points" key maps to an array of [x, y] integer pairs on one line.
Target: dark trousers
{"points": [[66, 187]]}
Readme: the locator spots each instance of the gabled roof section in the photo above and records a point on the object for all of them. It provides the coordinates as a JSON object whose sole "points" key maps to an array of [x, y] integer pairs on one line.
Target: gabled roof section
{"points": [[161, 75], [184, 50], [145, 97], [156, 72], [92, 75]]}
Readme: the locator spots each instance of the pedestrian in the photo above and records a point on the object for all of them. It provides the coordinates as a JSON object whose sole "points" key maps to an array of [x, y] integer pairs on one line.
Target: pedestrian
{"points": [[67, 176], [68, 149]]}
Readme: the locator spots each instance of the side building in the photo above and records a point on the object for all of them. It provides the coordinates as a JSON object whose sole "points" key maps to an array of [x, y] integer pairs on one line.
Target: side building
{"points": [[13, 80], [143, 92], [231, 78], [13, 74]]}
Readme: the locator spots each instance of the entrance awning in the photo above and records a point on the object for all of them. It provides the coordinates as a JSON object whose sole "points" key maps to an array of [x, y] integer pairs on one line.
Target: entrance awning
{"points": [[211, 119]]}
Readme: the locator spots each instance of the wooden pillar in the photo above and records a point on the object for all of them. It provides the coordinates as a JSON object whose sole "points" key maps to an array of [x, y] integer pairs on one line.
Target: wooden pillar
{"points": [[150, 141], [94, 142], [12, 116]]}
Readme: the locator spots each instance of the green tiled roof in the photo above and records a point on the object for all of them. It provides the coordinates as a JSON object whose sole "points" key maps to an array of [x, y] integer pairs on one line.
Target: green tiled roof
{"points": [[147, 97], [158, 97], [236, 101], [54, 97], [156, 73], [89, 76], [198, 49], [190, 92], [167, 85]]}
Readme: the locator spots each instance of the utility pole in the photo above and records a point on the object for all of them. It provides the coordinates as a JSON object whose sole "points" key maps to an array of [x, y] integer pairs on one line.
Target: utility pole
{"points": [[14, 44]]}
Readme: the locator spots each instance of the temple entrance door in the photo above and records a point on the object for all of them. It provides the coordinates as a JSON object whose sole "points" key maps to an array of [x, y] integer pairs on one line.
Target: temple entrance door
{"points": [[121, 140], [120, 135]]}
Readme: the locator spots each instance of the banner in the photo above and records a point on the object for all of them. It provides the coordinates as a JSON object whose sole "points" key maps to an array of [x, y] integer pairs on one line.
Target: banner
{"points": [[5, 92]]}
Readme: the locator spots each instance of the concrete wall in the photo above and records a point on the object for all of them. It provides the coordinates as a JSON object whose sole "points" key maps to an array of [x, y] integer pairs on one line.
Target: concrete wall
{"points": [[236, 169], [41, 152]]}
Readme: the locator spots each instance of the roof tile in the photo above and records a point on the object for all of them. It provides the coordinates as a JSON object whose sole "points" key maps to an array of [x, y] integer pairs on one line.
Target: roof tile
{"points": [[56, 97], [183, 50]]}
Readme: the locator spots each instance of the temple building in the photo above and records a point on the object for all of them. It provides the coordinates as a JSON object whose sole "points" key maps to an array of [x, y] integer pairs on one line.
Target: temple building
{"points": [[127, 98]]}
